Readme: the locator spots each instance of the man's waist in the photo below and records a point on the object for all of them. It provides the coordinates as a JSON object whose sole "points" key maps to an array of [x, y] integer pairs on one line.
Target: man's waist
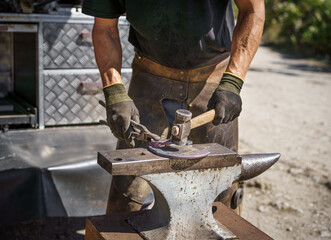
{"points": [[198, 74]]}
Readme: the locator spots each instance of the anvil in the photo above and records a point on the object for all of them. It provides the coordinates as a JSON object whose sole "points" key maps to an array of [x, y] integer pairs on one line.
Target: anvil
{"points": [[184, 189]]}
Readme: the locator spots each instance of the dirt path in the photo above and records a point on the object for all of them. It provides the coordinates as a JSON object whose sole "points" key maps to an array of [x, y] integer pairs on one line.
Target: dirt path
{"points": [[287, 109]]}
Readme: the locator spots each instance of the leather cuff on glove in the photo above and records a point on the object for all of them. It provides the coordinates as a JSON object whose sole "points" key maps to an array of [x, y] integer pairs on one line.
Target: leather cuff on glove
{"points": [[226, 99], [231, 82], [115, 93]]}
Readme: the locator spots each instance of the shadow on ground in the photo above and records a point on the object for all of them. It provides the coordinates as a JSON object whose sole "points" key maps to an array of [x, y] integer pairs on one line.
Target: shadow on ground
{"points": [[320, 64], [72, 228], [291, 65], [303, 67]]}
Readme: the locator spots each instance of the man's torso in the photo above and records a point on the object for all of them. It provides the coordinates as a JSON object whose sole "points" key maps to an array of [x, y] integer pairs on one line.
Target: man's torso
{"points": [[175, 33]]}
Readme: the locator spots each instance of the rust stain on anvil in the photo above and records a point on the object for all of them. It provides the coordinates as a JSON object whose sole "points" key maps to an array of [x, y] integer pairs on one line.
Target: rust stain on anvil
{"points": [[29, 26], [182, 164], [3, 28], [7, 27], [11, 17]]}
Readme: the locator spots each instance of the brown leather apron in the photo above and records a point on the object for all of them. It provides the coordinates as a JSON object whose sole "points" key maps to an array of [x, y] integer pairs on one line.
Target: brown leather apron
{"points": [[152, 83]]}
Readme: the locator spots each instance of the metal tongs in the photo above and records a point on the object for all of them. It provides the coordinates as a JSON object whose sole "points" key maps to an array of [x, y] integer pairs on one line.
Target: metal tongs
{"points": [[140, 131], [144, 134]]}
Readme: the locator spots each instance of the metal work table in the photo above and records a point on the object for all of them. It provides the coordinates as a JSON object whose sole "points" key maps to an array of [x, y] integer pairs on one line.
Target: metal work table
{"points": [[53, 172]]}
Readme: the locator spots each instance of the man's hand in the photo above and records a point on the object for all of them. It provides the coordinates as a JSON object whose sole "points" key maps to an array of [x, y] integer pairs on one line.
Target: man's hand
{"points": [[120, 110], [226, 100], [227, 106]]}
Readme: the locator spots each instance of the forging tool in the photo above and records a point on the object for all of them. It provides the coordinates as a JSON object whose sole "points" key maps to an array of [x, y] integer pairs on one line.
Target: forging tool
{"points": [[185, 178], [184, 124], [143, 134], [140, 131], [179, 146]]}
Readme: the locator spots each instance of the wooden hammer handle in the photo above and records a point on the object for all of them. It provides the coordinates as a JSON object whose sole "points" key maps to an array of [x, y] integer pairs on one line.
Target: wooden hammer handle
{"points": [[203, 119]]}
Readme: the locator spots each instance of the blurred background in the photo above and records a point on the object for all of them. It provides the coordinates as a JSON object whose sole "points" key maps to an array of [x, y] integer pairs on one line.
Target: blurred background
{"points": [[49, 113], [303, 26], [300, 27]]}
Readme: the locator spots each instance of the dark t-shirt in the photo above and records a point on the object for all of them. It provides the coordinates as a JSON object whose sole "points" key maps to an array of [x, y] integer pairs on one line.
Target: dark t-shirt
{"points": [[174, 33]]}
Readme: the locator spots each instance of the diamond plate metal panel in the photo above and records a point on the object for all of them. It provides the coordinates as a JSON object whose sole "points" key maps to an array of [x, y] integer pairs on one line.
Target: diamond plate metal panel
{"points": [[126, 78], [127, 48], [65, 105], [65, 47]]}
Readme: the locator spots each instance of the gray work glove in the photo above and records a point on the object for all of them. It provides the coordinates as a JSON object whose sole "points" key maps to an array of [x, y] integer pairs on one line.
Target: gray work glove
{"points": [[226, 99], [120, 110]]}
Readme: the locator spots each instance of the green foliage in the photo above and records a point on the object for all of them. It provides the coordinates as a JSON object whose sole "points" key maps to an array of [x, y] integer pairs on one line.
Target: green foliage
{"points": [[300, 24]]}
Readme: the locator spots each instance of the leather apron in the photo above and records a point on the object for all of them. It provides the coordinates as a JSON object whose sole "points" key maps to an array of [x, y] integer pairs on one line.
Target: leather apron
{"points": [[151, 84]]}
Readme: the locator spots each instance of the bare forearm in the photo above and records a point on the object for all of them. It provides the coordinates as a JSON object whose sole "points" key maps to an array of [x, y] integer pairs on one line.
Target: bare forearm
{"points": [[107, 50], [246, 36]]}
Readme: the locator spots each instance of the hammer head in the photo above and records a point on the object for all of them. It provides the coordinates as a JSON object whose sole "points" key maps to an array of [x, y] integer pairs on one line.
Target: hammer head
{"points": [[181, 127]]}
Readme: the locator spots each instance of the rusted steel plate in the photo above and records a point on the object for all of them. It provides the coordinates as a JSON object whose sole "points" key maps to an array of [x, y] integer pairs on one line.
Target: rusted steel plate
{"points": [[115, 226], [139, 161], [236, 224], [110, 227]]}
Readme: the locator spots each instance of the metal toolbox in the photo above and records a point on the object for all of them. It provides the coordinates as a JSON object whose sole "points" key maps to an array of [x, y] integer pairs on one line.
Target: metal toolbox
{"points": [[65, 63]]}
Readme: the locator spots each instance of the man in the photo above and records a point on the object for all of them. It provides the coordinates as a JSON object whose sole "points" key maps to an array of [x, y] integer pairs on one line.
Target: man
{"points": [[182, 60]]}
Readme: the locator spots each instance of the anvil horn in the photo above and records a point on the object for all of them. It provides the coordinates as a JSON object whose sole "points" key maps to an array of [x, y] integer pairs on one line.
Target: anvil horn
{"points": [[255, 164]]}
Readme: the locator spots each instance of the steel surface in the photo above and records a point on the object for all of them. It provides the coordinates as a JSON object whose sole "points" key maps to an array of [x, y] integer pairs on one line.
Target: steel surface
{"points": [[57, 170], [255, 164], [183, 204]]}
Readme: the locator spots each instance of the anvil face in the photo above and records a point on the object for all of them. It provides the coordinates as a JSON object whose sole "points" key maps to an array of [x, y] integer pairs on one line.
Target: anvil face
{"points": [[140, 161]]}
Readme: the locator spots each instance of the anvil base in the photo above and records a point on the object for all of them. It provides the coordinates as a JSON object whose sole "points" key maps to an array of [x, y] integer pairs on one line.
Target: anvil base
{"points": [[114, 226]]}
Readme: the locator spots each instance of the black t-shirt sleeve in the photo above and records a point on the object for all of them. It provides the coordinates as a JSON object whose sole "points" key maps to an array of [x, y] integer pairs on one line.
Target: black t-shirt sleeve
{"points": [[103, 8]]}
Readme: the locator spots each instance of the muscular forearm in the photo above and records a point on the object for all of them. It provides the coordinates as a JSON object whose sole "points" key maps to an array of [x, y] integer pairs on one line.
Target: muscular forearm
{"points": [[246, 36], [107, 50], [120, 108]]}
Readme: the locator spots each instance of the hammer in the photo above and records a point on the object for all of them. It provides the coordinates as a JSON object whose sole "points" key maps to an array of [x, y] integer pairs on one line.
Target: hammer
{"points": [[183, 124]]}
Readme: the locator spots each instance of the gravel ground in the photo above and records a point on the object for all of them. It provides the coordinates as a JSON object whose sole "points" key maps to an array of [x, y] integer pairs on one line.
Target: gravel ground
{"points": [[286, 109]]}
